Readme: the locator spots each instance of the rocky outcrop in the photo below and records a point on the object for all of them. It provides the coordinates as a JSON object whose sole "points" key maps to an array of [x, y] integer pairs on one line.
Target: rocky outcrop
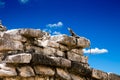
{"points": [[30, 54]]}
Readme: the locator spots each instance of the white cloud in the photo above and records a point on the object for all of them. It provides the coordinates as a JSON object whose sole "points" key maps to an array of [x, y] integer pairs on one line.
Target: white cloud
{"points": [[47, 30], [95, 51], [23, 1], [56, 33], [59, 24]]}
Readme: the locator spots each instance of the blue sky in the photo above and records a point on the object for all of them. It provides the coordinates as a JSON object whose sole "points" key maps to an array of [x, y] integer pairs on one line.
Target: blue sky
{"points": [[97, 20]]}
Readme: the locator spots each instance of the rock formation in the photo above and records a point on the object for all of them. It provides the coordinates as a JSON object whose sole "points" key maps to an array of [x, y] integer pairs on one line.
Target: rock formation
{"points": [[30, 54]]}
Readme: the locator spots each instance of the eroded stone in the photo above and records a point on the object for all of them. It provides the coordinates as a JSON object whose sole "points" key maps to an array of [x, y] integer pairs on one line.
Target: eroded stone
{"points": [[7, 71], [63, 74], [19, 58], [26, 71], [10, 45], [97, 74], [75, 57], [43, 70]]}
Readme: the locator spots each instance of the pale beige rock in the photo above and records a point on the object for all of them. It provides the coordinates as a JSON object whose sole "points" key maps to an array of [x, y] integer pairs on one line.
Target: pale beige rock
{"points": [[44, 70], [76, 77], [9, 45], [7, 70], [112, 76], [41, 78], [83, 42], [31, 33], [18, 58], [49, 51], [97, 74], [14, 35], [60, 53], [75, 57], [26, 71], [63, 48], [13, 78], [65, 40], [78, 51], [63, 74]]}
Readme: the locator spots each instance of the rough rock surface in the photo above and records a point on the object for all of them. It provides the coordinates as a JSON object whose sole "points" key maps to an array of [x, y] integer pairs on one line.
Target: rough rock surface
{"points": [[30, 54]]}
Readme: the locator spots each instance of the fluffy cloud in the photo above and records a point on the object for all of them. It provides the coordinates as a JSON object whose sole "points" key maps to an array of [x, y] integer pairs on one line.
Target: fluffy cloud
{"points": [[95, 51], [23, 1], [59, 24], [56, 33]]}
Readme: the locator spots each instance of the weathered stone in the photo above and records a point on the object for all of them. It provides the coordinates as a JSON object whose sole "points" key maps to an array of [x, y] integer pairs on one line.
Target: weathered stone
{"points": [[49, 51], [19, 58], [43, 70], [97, 74], [41, 78], [77, 51], [64, 48], [31, 33], [11, 35], [79, 68], [52, 61], [7, 71], [47, 43], [13, 78], [26, 71], [9, 45], [76, 77], [65, 40], [63, 74], [112, 76], [83, 42], [59, 53], [75, 57]]}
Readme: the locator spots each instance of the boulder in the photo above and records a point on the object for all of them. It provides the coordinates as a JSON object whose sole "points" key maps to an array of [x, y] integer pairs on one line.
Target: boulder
{"points": [[26, 71], [75, 57], [83, 42], [97, 74], [32, 33], [50, 60], [63, 74], [7, 71], [112, 76], [44, 70], [65, 40], [10, 45], [18, 58]]}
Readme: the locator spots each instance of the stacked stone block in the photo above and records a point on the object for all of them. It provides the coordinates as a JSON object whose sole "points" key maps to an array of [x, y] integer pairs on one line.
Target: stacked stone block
{"points": [[29, 54]]}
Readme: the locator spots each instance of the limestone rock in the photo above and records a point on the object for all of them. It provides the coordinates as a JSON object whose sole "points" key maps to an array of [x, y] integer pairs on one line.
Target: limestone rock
{"points": [[43, 70], [83, 42], [10, 45], [26, 71], [77, 51], [7, 71], [59, 53], [79, 68], [112, 76], [19, 58], [63, 74], [49, 51], [65, 40], [14, 37], [75, 57], [50, 60], [32, 33], [76, 77], [97, 74]]}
